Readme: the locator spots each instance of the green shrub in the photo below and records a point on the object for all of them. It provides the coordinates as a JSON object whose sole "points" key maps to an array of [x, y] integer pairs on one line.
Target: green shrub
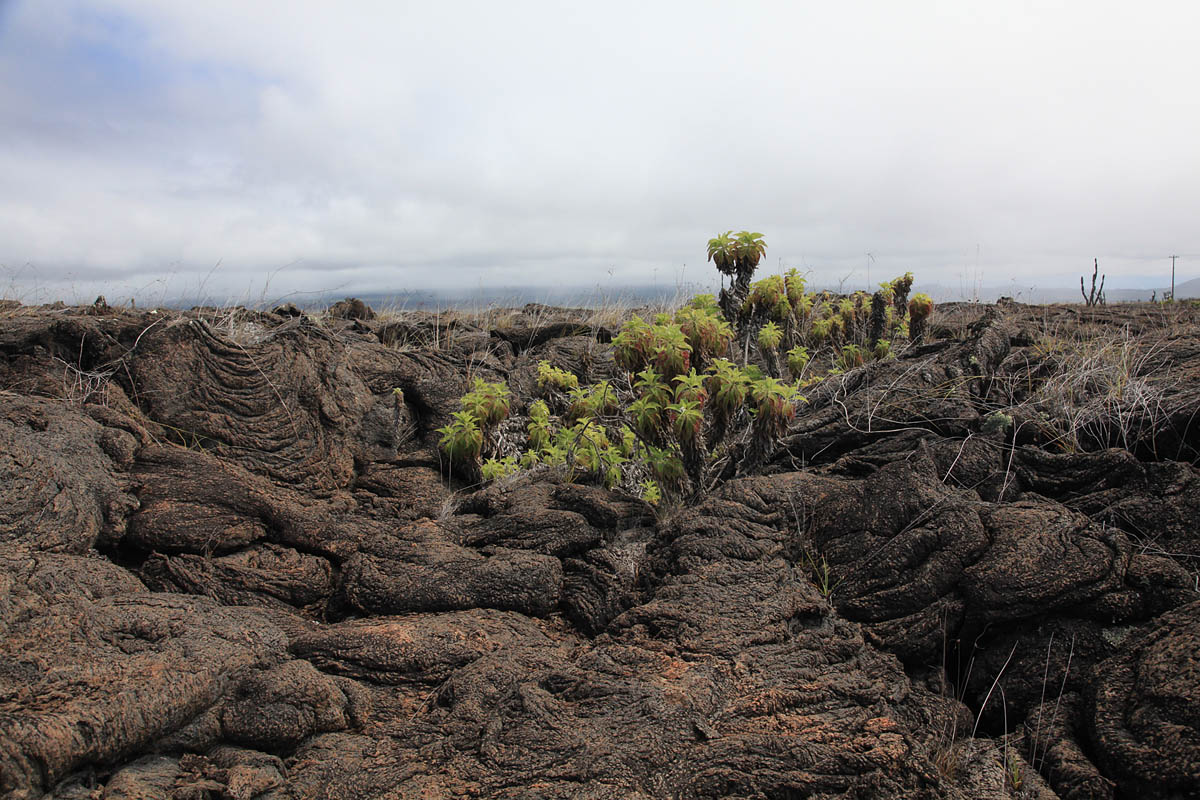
{"points": [[770, 336], [585, 448], [597, 400], [672, 353], [462, 439], [768, 295], [691, 387], [846, 312], [540, 432], [749, 249], [665, 465], [996, 422], [550, 377], [919, 310], [819, 332], [851, 357], [686, 420], [795, 287], [494, 469], [721, 251], [682, 413], [663, 346], [727, 385], [797, 360], [647, 417], [482, 408], [707, 334], [773, 405], [921, 306], [539, 411], [650, 384], [487, 402]]}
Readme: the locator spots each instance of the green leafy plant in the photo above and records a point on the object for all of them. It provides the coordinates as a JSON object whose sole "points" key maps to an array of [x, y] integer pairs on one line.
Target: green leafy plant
{"points": [[633, 345], [585, 448], [707, 334], [551, 377], [691, 388], [820, 332], [770, 296], [462, 439], [749, 248], [487, 402], [722, 250], [846, 311], [482, 408], [770, 336], [851, 357], [727, 385], [597, 400], [651, 493], [795, 287], [494, 469], [647, 417], [736, 255], [920, 307], [797, 360], [686, 420], [663, 346], [650, 384], [665, 465], [772, 401], [672, 353], [996, 422], [540, 432]]}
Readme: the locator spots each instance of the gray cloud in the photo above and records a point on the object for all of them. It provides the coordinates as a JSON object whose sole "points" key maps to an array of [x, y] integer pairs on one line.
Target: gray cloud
{"points": [[414, 144]]}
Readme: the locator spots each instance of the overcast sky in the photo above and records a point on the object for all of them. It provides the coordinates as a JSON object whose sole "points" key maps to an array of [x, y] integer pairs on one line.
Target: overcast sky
{"points": [[172, 147]]}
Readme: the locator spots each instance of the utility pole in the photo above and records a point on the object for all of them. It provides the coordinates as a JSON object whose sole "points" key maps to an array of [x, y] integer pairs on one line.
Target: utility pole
{"points": [[1173, 278]]}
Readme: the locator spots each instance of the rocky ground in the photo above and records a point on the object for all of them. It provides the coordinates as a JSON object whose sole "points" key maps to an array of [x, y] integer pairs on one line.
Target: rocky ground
{"points": [[231, 566]]}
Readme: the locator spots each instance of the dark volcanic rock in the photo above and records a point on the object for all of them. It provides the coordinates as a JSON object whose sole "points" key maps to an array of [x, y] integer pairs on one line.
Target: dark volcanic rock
{"points": [[94, 685], [232, 565], [58, 469], [266, 575], [421, 648], [1145, 708], [438, 576], [350, 308]]}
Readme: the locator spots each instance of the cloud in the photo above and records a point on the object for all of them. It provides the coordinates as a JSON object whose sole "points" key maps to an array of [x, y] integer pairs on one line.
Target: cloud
{"points": [[431, 144]]}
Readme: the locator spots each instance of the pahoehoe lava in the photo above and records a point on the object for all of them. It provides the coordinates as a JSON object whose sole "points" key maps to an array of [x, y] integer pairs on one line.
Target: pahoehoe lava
{"points": [[232, 565]]}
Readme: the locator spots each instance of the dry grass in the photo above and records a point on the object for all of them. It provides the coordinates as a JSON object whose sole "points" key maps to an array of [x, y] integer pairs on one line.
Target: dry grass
{"points": [[1103, 390]]}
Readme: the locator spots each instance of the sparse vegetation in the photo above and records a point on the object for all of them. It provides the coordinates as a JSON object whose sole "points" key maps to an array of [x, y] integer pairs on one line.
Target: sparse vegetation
{"points": [[705, 389]]}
